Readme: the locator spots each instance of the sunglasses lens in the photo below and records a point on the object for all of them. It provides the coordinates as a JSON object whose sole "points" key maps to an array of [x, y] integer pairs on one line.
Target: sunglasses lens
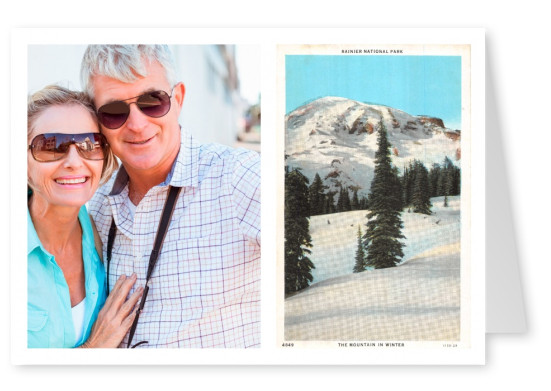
{"points": [[154, 104], [113, 115], [50, 147], [44, 148], [91, 145]]}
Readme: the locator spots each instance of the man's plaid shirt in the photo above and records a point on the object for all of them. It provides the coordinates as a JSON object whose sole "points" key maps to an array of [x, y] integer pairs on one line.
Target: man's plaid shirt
{"points": [[205, 288]]}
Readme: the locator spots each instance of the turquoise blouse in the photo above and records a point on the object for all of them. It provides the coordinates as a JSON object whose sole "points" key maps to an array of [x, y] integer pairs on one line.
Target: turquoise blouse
{"points": [[50, 322]]}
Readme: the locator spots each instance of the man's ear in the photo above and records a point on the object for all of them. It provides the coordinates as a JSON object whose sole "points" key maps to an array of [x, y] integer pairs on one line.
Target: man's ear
{"points": [[179, 94]]}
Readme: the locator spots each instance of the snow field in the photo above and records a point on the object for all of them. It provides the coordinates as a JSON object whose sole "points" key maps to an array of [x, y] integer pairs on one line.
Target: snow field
{"points": [[334, 236], [418, 300]]}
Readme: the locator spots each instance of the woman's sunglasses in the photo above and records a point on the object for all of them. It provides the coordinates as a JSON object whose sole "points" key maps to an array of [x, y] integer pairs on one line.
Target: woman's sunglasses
{"points": [[49, 147], [153, 104]]}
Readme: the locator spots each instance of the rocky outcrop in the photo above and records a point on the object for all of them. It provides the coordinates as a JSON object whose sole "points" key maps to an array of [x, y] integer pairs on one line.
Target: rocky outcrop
{"points": [[431, 120], [369, 128], [455, 136], [411, 125], [332, 174]]}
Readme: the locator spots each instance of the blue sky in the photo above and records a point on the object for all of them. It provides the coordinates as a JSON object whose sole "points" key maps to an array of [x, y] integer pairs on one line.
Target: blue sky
{"points": [[418, 85]]}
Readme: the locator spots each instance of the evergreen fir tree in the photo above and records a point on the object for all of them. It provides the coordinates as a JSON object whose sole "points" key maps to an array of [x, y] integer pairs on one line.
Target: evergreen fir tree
{"points": [[355, 202], [448, 177], [363, 203], [346, 200], [456, 181], [316, 196], [360, 254], [434, 174], [297, 236], [405, 180], [343, 203], [420, 199], [407, 183], [396, 186], [384, 226], [445, 180], [329, 203], [340, 202]]}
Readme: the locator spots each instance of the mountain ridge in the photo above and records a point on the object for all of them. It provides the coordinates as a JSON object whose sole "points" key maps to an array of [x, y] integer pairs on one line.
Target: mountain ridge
{"points": [[336, 138]]}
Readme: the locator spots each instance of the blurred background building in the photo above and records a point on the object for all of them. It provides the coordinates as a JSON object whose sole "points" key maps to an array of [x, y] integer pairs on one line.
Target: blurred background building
{"points": [[222, 102]]}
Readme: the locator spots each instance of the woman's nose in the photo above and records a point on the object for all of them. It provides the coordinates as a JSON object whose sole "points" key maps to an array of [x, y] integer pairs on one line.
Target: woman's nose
{"points": [[72, 158]]}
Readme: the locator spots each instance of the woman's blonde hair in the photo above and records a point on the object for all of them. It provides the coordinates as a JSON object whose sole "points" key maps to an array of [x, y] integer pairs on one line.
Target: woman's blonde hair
{"points": [[55, 95]]}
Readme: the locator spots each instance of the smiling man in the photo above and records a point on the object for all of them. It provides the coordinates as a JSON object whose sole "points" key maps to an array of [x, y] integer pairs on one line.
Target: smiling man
{"points": [[204, 286]]}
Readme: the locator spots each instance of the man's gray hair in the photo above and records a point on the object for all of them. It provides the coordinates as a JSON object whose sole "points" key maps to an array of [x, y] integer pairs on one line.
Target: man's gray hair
{"points": [[125, 63]]}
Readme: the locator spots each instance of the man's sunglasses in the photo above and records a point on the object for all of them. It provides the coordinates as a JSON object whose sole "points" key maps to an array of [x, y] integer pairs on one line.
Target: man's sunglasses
{"points": [[153, 104], [49, 147]]}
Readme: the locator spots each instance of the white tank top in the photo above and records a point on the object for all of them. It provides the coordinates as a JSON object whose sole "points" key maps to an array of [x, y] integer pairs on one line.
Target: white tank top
{"points": [[78, 319]]}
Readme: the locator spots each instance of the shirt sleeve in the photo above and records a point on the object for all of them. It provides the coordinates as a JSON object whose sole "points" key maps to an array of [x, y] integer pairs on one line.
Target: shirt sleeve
{"points": [[246, 193]]}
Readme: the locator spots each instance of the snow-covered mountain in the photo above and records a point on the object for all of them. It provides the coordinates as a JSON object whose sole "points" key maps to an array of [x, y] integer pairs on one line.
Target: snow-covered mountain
{"points": [[337, 138]]}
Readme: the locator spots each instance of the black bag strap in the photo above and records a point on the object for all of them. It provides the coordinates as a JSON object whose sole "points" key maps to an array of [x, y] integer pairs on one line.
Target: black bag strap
{"points": [[164, 222], [110, 241]]}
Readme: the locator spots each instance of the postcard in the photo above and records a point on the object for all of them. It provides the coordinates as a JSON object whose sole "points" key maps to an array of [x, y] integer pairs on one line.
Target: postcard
{"points": [[375, 218]]}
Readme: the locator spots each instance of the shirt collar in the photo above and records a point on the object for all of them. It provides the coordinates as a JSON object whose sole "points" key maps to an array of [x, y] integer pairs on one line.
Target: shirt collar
{"points": [[32, 237], [183, 173]]}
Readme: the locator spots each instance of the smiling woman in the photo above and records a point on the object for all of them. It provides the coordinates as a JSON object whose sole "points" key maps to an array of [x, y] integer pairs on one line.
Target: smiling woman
{"points": [[54, 164], [67, 159]]}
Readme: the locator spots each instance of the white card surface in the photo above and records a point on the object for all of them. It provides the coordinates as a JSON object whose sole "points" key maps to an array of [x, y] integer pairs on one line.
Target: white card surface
{"points": [[490, 290]]}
